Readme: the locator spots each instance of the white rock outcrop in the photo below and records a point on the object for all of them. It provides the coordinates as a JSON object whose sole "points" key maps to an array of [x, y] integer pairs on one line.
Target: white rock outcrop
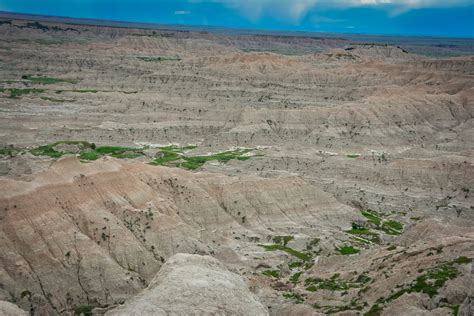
{"points": [[193, 285]]}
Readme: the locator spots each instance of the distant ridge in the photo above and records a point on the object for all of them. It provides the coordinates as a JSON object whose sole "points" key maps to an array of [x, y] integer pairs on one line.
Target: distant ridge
{"points": [[391, 39], [438, 46]]}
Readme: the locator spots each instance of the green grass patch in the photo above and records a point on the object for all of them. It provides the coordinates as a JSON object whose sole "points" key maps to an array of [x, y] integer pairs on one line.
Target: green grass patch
{"points": [[293, 252], [195, 162], [16, 93], [295, 264], [295, 278], [429, 282], [46, 151], [348, 250], [85, 310], [392, 227], [47, 80], [337, 309], [455, 309], [335, 284], [175, 156], [373, 217], [113, 151], [282, 240], [89, 155], [171, 153], [272, 273], [49, 150], [353, 156], [312, 243], [365, 233], [297, 298], [463, 260], [375, 310], [87, 151], [9, 151]]}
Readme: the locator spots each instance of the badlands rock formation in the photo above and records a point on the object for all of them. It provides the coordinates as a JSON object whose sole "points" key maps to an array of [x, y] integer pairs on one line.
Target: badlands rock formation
{"points": [[324, 176], [193, 284]]}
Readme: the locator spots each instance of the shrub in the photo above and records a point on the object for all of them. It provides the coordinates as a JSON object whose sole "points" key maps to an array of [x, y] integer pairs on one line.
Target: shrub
{"points": [[348, 250]]}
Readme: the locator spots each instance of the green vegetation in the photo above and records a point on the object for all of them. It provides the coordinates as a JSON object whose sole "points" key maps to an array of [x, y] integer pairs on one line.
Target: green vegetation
{"points": [[434, 279], [47, 80], [336, 309], [375, 310], [88, 151], [9, 151], [455, 309], [293, 252], [272, 273], [312, 243], [364, 234], [16, 93], [85, 310], [429, 283], [298, 299], [48, 150], [295, 264], [353, 156], [390, 227], [348, 250], [463, 260], [196, 162], [282, 240], [335, 284], [174, 156], [373, 217], [25, 293], [171, 155], [113, 151], [295, 278]]}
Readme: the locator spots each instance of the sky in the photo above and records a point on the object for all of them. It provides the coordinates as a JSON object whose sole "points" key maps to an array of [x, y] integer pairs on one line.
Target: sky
{"points": [[447, 18]]}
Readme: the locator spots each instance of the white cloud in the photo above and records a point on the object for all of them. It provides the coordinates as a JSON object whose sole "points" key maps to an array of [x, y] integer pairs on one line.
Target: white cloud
{"points": [[295, 10], [182, 12], [281, 9]]}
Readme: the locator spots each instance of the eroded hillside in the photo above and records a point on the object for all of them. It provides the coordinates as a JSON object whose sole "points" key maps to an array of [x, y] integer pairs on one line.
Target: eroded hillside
{"points": [[335, 179]]}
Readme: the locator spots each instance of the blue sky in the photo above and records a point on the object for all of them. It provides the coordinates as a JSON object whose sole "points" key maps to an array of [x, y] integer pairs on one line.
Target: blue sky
{"points": [[453, 18]]}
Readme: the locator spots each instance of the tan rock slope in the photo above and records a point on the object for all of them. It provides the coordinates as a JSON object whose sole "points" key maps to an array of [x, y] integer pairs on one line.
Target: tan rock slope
{"points": [[356, 196], [103, 230], [193, 284], [9, 309]]}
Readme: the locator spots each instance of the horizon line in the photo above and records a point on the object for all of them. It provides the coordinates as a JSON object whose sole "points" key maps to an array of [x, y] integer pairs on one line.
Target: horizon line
{"points": [[156, 24]]}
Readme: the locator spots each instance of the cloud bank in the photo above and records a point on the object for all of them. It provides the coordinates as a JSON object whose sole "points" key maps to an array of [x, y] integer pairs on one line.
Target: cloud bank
{"points": [[294, 10]]}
